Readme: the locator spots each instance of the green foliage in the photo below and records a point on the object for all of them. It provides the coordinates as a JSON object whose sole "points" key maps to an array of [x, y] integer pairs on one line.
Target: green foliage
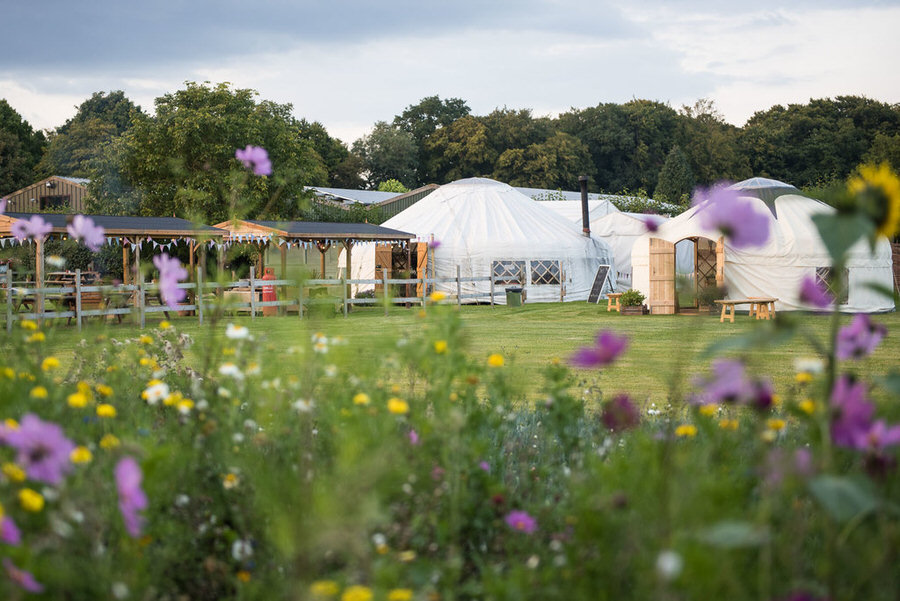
{"points": [[632, 298], [20, 150], [389, 152], [555, 163], [460, 150], [392, 185], [676, 182], [422, 120]]}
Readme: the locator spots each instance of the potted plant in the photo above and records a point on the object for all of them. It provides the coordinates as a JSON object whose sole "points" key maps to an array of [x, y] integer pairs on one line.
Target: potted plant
{"points": [[632, 303]]}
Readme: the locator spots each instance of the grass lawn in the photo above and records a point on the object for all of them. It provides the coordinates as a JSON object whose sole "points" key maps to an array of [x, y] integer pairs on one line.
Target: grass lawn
{"points": [[664, 352]]}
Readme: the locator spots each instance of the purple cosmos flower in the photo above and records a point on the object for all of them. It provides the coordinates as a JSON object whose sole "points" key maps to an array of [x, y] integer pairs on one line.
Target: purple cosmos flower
{"points": [[131, 497], [722, 209], [652, 222], [170, 273], [43, 449], [763, 396], [256, 158], [484, 466], [620, 414], [9, 532], [413, 437], [859, 339], [434, 244], [34, 228], [852, 412], [83, 230], [521, 522], [877, 437], [23, 578], [729, 384], [802, 596], [813, 293], [607, 348]]}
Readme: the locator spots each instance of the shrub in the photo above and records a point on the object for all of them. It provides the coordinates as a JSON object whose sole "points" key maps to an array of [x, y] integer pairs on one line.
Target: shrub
{"points": [[631, 298]]}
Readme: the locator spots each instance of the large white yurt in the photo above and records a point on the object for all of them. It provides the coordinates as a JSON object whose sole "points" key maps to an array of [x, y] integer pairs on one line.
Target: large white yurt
{"points": [[776, 269], [485, 227]]}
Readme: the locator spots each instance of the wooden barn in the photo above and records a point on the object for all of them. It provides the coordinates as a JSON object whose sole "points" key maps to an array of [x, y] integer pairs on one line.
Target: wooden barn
{"points": [[56, 193]]}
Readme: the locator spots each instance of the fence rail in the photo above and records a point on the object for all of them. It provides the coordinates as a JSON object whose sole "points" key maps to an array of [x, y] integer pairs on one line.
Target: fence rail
{"points": [[79, 302]]}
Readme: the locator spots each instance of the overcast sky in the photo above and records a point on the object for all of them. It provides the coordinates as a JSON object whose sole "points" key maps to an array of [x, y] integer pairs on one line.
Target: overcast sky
{"points": [[349, 63]]}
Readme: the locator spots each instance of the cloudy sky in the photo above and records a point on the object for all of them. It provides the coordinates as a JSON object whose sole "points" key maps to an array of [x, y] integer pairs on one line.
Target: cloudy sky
{"points": [[349, 63]]}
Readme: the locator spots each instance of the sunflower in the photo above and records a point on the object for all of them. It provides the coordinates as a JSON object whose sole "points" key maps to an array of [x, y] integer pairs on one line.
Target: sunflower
{"points": [[878, 192]]}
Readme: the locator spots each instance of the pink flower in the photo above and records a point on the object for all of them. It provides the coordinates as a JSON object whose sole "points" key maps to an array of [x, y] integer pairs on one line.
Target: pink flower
{"points": [[43, 449], [878, 436], [131, 497], [256, 158], [852, 412], [859, 339], [620, 414], [9, 532], [434, 244], [812, 293], [23, 578], [521, 522], [606, 350], [484, 466], [83, 229], [413, 437], [170, 273], [34, 228], [722, 209]]}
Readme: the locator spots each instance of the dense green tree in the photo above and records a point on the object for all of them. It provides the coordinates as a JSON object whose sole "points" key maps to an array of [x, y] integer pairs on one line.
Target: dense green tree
{"points": [[885, 149], [460, 150], [423, 119], [20, 150], [676, 181], [182, 161], [711, 145], [389, 152], [508, 129], [343, 169], [554, 164]]}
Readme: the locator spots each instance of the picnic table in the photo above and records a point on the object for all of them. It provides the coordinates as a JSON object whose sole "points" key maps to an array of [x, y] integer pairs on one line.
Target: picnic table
{"points": [[612, 302], [761, 307]]}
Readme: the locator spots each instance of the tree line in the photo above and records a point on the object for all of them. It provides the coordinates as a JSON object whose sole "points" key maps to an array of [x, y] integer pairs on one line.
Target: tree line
{"points": [[180, 160]]}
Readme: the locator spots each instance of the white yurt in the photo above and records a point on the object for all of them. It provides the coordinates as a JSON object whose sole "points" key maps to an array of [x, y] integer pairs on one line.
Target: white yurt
{"points": [[486, 227], [776, 269]]}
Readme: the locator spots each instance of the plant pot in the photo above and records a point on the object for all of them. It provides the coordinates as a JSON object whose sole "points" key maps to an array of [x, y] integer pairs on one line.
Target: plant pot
{"points": [[634, 310]]}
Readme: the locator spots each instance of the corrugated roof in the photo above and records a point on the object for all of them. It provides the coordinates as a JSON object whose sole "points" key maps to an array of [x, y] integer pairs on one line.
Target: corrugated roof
{"points": [[83, 181], [116, 224], [365, 197]]}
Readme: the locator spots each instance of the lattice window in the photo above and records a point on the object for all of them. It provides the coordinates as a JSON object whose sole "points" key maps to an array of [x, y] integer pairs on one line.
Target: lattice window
{"points": [[825, 277], [508, 272], [545, 272]]}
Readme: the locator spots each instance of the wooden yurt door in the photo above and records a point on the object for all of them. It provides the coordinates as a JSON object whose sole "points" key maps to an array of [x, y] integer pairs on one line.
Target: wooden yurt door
{"points": [[383, 258], [662, 277], [421, 265]]}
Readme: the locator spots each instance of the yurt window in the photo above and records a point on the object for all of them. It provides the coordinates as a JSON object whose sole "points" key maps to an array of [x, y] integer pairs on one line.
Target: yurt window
{"points": [[508, 272], [825, 278], [545, 272]]}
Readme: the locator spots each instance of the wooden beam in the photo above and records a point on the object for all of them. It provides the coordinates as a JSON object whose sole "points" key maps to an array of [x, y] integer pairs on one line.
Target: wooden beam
{"points": [[348, 246], [323, 248]]}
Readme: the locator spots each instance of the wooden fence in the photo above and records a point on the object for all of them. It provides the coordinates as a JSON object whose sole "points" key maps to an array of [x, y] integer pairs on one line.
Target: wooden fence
{"points": [[135, 301]]}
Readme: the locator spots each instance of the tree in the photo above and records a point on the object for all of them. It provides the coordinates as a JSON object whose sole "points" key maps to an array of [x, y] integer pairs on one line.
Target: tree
{"points": [[182, 161], [884, 149], [423, 119], [20, 150], [392, 185], [78, 143], [343, 168], [389, 152], [711, 145], [460, 150], [509, 129], [675, 179], [553, 164]]}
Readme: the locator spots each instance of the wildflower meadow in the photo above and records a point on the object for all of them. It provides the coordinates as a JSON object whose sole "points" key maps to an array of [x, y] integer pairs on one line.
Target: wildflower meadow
{"points": [[189, 462]]}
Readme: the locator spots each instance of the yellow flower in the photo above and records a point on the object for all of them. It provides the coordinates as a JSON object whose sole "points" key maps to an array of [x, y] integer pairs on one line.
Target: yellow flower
{"points": [[49, 363], [24, 375], [881, 188], [230, 481], [406, 556], [31, 500], [243, 576], [440, 346], [164, 325], [324, 588], [776, 400], [728, 424], [769, 435], [13, 472], [27, 324], [361, 398], [109, 441], [454, 397], [112, 368], [184, 407], [39, 392], [11, 423], [357, 593], [400, 594], [81, 454], [437, 297], [775, 424], [688, 430], [104, 390], [708, 410], [36, 337], [397, 406], [807, 406], [173, 399], [228, 351], [106, 410], [803, 377], [77, 400], [495, 360], [145, 339], [9, 373]]}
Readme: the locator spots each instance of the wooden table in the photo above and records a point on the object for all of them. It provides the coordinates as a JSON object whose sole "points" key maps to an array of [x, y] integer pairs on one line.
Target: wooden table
{"points": [[761, 307], [612, 302]]}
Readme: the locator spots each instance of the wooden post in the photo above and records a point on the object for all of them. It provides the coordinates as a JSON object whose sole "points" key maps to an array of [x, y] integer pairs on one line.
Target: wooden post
{"points": [[300, 298], [138, 279], [39, 276], [282, 290], [720, 263], [385, 296], [344, 295], [323, 248], [424, 292], [458, 289], [220, 260], [252, 292], [9, 299], [348, 245], [126, 263], [199, 299], [142, 303], [78, 299]]}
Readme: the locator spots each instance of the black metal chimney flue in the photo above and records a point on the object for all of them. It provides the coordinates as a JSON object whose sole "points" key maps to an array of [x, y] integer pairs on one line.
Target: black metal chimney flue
{"points": [[585, 212]]}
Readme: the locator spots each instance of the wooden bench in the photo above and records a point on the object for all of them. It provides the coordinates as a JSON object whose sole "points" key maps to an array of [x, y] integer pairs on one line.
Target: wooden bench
{"points": [[761, 307], [612, 302]]}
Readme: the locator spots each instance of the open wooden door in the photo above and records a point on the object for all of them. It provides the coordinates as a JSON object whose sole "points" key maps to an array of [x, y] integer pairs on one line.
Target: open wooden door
{"points": [[662, 277], [421, 265], [383, 260]]}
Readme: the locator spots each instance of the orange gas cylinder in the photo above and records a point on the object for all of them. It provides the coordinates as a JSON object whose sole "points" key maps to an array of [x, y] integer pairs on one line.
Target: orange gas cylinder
{"points": [[268, 292]]}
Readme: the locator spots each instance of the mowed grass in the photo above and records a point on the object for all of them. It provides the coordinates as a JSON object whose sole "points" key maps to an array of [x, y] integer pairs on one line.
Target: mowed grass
{"points": [[665, 352]]}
